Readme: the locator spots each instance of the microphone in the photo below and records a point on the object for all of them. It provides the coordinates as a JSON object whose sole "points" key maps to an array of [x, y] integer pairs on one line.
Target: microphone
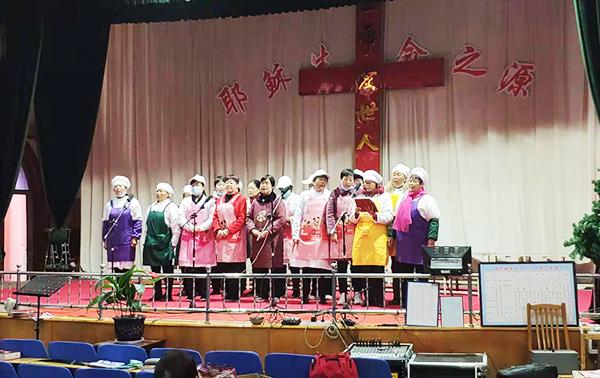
{"points": [[356, 189], [130, 197]]}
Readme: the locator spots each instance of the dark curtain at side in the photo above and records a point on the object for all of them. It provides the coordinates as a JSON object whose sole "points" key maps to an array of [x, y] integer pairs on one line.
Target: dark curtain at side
{"points": [[20, 31], [69, 85], [588, 23]]}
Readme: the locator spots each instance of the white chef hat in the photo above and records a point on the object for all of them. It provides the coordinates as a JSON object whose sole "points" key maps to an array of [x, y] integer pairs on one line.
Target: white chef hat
{"points": [[318, 173], [187, 189], [372, 175], [284, 182], [199, 179], [402, 169], [121, 180], [420, 173], [359, 173], [166, 187]]}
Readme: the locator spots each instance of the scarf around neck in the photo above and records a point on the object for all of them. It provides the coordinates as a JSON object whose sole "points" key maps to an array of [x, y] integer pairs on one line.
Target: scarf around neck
{"points": [[403, 218]]}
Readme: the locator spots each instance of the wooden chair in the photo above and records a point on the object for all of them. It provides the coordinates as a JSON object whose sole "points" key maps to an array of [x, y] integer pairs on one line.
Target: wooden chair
{"points": [[549, 321]]}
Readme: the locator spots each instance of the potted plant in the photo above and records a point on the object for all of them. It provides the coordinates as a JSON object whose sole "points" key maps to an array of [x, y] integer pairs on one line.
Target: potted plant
{"points": [[586, 237], [124, 295]]}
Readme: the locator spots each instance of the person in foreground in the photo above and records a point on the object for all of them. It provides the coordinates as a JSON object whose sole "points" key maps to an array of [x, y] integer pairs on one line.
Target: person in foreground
{"points": [[176, 364]]}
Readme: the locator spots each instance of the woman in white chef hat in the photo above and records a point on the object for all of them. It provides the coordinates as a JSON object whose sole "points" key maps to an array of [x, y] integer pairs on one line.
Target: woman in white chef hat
{"points": [[121, 226]]}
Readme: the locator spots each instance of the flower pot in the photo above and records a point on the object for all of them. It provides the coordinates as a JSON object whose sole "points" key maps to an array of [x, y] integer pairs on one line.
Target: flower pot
{"points": [[129, 328]]}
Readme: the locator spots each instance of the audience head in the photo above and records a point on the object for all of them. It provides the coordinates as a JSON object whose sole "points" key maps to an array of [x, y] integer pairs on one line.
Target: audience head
{"points": [[176, 364]]}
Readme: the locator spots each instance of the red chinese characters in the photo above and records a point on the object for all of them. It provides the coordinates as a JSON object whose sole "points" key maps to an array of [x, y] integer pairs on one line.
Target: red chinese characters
{"points": [[233, 99], [410, 50], [516, 79], [275, 79], [464, 60], [321, 59]]}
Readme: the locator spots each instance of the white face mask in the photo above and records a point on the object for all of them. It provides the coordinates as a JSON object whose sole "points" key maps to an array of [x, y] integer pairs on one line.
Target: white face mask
{"points": [[196, 190]]}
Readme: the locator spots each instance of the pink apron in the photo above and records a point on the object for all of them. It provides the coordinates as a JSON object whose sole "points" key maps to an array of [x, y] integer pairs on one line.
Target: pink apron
{"points": [[344, 204], [232, 248], [205, 241], [288, 242], [313, 247]]}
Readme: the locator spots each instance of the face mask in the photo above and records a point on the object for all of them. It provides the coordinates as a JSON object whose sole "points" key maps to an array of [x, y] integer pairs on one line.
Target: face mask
{"points": [[286, 192], [196, 190]]}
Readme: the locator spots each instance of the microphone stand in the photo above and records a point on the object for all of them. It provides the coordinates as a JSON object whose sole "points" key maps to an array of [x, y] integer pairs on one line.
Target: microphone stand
{"points": [[342, 218], [113, 225], [193, 219]]}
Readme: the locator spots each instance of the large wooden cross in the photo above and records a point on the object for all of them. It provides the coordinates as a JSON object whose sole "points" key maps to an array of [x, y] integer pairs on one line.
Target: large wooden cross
{"points": [[368, 77]]}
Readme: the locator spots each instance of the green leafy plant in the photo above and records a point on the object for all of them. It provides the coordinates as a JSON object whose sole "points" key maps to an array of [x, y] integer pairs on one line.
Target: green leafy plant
{"points": [[586, 233], [122, 293]]}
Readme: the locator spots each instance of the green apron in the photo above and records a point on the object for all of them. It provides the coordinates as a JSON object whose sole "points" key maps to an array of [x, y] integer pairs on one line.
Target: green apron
{"points": [[157, 247]]}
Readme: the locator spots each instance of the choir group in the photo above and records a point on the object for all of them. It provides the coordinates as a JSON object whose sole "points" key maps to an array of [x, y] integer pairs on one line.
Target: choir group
{"points": [[357, 227]]}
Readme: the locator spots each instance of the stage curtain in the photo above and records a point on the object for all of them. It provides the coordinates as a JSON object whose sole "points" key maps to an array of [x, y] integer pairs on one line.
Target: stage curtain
{"points": [[20, 31], [67, 95], [588, 24], [510, 175], [160, 117]]}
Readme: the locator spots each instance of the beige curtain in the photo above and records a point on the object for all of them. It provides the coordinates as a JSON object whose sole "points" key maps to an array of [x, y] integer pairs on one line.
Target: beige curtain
{"points": [[510, 175], [160, 118]]}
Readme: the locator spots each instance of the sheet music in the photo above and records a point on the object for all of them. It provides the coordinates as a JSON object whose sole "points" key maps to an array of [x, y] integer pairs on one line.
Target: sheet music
{"points": [[452, 312], [422, 304], [507, 288]]}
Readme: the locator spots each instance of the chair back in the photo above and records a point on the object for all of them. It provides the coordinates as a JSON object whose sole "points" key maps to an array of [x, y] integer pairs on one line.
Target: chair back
{"points": [[7, 370], [101, 373], [144, 374], [373, 368], [288, 365], [244, 362], [30, 348], [549, 321], [72, 351], [121, 353], [37, 371], [159, 352]]}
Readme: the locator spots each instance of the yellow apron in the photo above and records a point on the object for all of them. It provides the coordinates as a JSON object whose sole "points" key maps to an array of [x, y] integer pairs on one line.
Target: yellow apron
{"points": [[370, 241]]}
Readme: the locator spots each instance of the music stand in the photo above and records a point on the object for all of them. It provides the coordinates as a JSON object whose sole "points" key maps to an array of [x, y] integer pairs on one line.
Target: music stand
{"points": [[41, 286]]}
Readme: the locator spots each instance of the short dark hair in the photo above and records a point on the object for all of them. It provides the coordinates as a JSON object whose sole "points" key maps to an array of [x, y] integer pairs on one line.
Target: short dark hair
{"points": [[218, 179], [255, 182], [176, 364], [418, 178], [269, 178], [346, 172], [232, 177]]}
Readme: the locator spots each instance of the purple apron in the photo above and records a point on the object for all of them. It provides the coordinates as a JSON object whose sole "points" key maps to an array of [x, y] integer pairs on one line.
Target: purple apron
{"points": [[118, 241], [409, 245]]}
